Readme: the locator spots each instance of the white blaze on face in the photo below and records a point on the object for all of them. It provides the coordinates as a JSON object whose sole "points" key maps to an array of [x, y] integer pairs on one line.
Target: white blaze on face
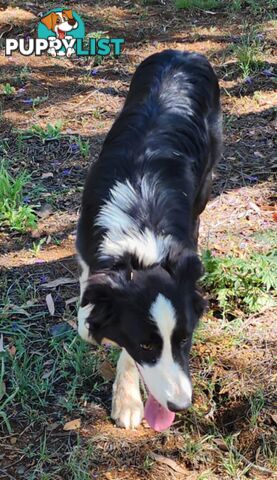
{"points": [[166, 380]]}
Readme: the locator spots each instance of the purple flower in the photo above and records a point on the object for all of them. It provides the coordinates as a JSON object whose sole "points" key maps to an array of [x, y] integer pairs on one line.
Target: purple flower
{"points": [[248, 80], [74, 147], [251, 179], [26, 199], [66, 172], [29, 101], [43, 279], [268, 73], [94, 71]]}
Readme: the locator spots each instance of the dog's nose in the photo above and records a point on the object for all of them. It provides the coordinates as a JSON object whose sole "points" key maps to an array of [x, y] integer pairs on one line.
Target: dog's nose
{"points": [[71, 21], [177, 408]]}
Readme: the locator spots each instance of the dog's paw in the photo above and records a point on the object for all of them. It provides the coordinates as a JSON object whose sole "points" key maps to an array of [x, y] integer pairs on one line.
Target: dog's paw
{"points": [[52, 52], [70, 51], [127, 406]]}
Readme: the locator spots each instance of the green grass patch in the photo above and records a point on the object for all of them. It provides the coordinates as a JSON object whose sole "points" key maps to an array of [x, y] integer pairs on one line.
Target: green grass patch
{"points": [[14, 214], [50, 132], [241, 283], [249, 54], [203, 4]]}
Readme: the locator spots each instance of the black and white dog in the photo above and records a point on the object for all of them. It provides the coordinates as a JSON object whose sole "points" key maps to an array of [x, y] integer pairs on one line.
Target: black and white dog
{"points": [[138, 229]]}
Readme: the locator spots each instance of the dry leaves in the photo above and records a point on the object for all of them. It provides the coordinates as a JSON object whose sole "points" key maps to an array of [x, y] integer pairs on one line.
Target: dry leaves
{"points": [[107, 371], [50, 304], [58, 282], [72, 425], [169, 462]]}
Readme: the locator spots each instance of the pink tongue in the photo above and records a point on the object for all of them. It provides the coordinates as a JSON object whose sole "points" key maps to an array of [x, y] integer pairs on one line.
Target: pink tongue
{"points": [[158, 417]]}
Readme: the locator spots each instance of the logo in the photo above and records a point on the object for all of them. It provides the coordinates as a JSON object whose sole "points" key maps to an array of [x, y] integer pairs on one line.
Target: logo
{"points": [[61, 32]]}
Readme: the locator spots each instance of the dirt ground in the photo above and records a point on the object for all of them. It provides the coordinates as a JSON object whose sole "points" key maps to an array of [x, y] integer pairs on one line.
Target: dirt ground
{"points": [[227, 433]]}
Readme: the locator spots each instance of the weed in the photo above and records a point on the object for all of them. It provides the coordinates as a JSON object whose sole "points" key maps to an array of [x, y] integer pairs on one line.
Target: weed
{"points": [[7, 89], [257, 402], [232, 460], [23, 75], [241, 283], [36, 247], [203, 4], [13, 212], [83, 146], [50, 132], [248, 54]]}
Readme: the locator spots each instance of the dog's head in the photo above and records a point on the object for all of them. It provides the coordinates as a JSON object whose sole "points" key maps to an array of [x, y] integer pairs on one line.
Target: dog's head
{"points": [[60, 22], [152, 314]]}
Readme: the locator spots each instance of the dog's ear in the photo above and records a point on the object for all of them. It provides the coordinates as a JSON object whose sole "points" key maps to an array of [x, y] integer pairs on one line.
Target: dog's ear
{"points": [[50, 20], [103, 291], [188, 269], [68, 13]]}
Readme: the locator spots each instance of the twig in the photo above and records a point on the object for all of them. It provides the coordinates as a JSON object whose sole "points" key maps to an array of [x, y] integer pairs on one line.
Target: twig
{"points": [[251, 464], [7, 474]]}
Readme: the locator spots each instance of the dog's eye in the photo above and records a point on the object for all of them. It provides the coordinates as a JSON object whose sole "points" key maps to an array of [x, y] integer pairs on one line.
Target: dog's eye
{"points": [[58, 20], [146, 346]]}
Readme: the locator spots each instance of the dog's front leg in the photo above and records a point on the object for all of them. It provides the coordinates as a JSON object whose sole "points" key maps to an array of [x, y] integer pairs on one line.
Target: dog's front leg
{"points": [[127, 406]]}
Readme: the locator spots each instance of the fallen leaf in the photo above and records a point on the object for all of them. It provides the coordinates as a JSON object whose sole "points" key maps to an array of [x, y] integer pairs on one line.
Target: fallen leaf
{"points": [[72, 425], [12, 350], [58, 282], [1, 343], [45, 210], [107, 371], [44, 176], [71, 300], [50, 304], [13, 440], [274, 216], [169, 462], [254, 207], [274, 417]]}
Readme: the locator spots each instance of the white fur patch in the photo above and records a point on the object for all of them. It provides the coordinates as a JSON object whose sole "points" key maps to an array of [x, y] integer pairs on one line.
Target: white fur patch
{"points": [[84, 312], [123, 233], [127, 406], [83, 277], [166, 380]]}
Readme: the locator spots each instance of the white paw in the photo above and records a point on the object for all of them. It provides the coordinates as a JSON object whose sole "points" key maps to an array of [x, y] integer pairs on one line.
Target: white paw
{"points": [[127, 406], [52, 52], [70, 51]]}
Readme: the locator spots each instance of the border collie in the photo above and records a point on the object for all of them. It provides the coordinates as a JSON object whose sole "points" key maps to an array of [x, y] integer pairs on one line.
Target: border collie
{"points": [[138, 230]]}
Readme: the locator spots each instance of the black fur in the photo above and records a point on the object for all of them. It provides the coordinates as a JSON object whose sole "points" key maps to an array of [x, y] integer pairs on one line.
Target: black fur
{"points": [[168, 132]]}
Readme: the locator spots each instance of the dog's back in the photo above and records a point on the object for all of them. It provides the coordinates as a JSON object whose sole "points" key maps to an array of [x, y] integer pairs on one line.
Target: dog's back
{"points": [[156, 162]]}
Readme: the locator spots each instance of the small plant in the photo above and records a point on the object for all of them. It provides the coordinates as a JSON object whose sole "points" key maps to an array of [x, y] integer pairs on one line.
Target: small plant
{"points": [[24, 74], [257, 402], [83, 146], [241, 283], [36, 247], [13, 212], [203, 4], [8, 89], [248, 55], [50, 132]]}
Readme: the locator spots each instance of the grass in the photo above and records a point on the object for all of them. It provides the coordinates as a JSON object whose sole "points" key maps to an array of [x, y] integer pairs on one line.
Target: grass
{"points": [[14, 214], [249, 54], [242, 285], [202, 4], [7, 89]]}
